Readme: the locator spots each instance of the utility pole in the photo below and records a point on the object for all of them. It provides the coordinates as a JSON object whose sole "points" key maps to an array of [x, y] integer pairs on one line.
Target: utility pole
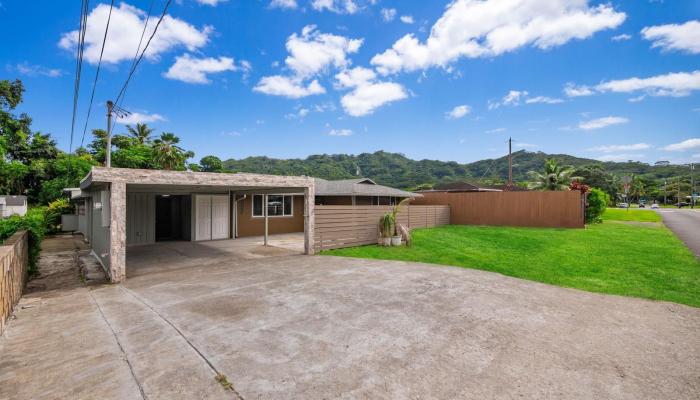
{"points": [[510, 163], [678, 202], [108, 150], [665, 191], [692, 185]]}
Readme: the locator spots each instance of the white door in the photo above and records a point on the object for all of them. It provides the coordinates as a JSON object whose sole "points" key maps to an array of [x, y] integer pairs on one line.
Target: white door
{"points": [[219, 217], [202, 217]]}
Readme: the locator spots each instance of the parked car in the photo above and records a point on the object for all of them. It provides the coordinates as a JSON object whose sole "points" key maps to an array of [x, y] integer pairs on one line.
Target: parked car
{"points": [[623, 205], [641, 205], [682, 204], [654, 206]]}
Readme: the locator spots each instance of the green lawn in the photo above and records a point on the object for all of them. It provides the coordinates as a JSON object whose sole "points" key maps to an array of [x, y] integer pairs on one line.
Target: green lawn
{"points": [[634, 214], [613, 257]]}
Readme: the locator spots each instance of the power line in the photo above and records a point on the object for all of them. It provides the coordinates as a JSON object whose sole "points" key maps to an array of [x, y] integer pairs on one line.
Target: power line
{"points": [[97, 73], [78, 66], [136, 55], [136, 64]]}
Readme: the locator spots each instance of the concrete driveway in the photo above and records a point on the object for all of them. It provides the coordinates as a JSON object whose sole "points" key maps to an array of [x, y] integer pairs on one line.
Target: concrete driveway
{"points": [[319, 327]]}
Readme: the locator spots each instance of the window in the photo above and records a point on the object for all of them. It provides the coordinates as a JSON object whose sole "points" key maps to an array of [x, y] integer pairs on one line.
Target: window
{"points": [[277, 205]]}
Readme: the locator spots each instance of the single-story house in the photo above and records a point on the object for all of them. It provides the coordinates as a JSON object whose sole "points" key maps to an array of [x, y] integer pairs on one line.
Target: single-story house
{"points": [[463, 186], [120, 207], [13, 205]]}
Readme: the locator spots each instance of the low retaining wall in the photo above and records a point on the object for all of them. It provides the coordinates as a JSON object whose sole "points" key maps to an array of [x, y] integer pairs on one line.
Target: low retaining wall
{"points": [[348, 226], [14, 262]]}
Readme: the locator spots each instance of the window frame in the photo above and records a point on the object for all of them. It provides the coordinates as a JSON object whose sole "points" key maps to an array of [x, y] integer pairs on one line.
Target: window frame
{"points": [[284, 196]]}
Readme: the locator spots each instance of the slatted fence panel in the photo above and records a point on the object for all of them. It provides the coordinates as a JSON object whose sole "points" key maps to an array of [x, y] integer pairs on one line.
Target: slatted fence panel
{"points": [[348, 226], [14, 261]]}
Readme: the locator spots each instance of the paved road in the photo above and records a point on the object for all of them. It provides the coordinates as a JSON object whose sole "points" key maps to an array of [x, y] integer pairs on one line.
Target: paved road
{"points": [[685, 224]]}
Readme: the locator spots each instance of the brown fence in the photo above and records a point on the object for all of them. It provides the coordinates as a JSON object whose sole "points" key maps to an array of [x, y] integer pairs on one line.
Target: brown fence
{"points": [[536, 209], [14, 259], [347, 226]]}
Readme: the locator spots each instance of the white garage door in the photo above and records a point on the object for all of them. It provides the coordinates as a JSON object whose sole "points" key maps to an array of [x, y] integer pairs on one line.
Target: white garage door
{"points": [[212, 217]]}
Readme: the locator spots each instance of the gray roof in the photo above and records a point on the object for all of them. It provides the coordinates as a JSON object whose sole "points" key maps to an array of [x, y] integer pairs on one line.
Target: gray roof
{"points": [[13, 201], [357, 187]]}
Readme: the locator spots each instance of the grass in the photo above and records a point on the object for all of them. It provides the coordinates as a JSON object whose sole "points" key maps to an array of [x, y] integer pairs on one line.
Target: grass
{"points": [[645, 261], [638, 215]]}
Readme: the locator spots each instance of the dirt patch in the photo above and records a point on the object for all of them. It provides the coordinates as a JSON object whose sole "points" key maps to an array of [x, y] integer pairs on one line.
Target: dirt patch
{"points": [[58, 264], [226, 307]]}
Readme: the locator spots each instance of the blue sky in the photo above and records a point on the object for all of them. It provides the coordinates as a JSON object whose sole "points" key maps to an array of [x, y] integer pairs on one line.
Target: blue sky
{"points": [[431, 79]]}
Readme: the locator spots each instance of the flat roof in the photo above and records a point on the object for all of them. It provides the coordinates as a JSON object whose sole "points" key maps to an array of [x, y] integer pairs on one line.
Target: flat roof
{"points": [[164, 178]]}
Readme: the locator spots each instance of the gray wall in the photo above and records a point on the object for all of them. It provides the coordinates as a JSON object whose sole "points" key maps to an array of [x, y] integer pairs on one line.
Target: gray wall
{"points": [[140, 218], [98, 235]]}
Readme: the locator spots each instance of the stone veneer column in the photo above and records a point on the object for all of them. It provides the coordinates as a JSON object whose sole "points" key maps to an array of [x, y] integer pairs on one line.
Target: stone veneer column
{"points": [[117, 232], [309, 219]]}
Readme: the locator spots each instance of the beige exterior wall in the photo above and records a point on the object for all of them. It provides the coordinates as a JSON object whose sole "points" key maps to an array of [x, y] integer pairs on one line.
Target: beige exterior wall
{"points": [[255, 226]]}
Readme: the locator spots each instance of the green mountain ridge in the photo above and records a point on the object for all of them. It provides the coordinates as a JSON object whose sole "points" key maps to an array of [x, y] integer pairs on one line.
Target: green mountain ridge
{"points": [[397, 170]]}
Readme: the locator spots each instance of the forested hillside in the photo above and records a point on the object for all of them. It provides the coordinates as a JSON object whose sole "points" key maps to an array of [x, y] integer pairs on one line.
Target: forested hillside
{"points": [[397, 170]]}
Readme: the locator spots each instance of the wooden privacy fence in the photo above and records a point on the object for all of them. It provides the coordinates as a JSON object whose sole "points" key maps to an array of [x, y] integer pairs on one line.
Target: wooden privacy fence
{"points": [[14, 260], [558, 209], [348, 226]]}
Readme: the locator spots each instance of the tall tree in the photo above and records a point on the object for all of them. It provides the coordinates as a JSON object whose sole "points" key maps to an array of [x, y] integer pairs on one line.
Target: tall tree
{"points": [[555, 176], [168, 154], [211, 164], [142, 133]]}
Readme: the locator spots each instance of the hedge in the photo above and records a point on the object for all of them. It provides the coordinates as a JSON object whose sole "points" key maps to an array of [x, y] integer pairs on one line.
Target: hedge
{"points": [[35, 222]]}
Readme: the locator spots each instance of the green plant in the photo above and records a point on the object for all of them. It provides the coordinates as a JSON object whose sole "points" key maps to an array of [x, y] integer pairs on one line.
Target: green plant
{"points": [[54, 211], [395, 213], [35, 223], [596, 203], [555, 176], [386, 225]]}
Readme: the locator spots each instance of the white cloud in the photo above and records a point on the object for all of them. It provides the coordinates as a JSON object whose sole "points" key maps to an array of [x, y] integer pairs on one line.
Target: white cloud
{"points": [[367, 93], [38, 70], [286, 4], [600, 123], [336, 6], [367, 97], [299, 114], [620, 157], [210, 2], [458, 112], [614, 148], [310, 54], [680, 37], [676, 84], [278, 85], [621, 37], [673, 84], [407, 19], [340, 132], [497, 130], [489, 28], [388, 14], [684, 145], [124, 34], [695, 155], [543, 100], [312, 51], [571, 90], [139, 118], [517, 97], [194, 70]]}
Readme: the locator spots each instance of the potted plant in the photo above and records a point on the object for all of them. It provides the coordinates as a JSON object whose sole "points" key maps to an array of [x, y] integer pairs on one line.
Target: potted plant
{"points": [[386, 227], [396, 238]]}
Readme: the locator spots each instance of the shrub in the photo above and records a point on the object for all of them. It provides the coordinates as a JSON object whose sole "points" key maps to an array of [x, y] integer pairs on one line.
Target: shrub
{"points": [[54, 211], [596, 202], [34, 222]]}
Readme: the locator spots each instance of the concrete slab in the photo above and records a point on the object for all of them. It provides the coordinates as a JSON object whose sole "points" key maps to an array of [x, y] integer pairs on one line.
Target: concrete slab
{"points": [[300, 327]]}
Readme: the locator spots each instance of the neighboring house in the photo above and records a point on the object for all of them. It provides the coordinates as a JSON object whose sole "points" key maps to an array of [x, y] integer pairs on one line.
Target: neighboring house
{"points": [[120, 207], [463, 186], [13, 205]]}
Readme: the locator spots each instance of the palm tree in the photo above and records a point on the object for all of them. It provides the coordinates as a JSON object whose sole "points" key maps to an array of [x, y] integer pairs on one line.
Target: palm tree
{"points": [[142, 133], [555, 176], [167, 153]]}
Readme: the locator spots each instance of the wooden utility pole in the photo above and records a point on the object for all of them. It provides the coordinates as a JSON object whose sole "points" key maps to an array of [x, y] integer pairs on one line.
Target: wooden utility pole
{"points": [[510, 162], [108, 150]]}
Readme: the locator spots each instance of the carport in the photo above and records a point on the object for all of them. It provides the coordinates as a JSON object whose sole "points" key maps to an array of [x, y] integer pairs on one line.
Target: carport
{"points": [[127, 208]]}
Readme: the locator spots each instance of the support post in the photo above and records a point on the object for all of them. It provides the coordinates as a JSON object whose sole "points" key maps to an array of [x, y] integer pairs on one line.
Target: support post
{"points": [[309, 219], [266, 216], [117, 232]]}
